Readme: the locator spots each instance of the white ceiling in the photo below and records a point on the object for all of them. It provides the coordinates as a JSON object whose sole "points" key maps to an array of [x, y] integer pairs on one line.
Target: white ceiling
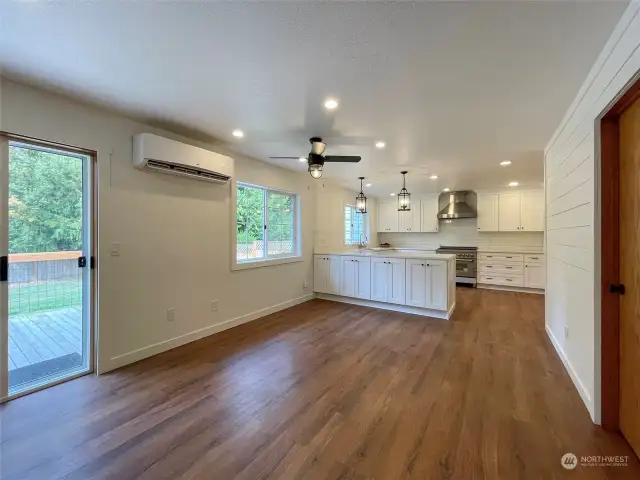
{"points": [[452, 88]]}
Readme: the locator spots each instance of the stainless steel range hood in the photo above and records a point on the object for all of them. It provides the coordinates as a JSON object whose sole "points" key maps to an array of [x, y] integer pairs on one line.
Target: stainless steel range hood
{"points": [[457, 207]]}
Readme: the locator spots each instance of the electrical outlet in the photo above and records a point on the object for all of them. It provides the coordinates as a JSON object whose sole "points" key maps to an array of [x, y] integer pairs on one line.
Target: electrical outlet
{"points": [[305, 284], [171, 314], [566, 331], [214, 306]]}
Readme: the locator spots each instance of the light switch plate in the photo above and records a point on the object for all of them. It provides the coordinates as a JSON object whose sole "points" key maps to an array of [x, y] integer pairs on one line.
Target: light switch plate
{"points": [[171, 314], [115, 249]]}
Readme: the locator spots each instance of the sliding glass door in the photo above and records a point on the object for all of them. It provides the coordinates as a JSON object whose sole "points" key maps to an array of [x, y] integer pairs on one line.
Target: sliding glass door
{"points": [[46, 240]]}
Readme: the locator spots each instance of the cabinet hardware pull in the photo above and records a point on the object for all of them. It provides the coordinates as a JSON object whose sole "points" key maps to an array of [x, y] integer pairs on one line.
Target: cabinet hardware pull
{"points": [[508, 280], [508, 267]]}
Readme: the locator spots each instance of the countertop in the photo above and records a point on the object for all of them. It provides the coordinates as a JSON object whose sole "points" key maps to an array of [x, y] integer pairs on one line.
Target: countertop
{"points": [[389, 253], [533, 250]]}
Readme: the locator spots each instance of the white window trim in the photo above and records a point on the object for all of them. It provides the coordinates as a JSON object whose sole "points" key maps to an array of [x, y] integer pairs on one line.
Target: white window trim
{"points": [[272, 260], [365, 224]]}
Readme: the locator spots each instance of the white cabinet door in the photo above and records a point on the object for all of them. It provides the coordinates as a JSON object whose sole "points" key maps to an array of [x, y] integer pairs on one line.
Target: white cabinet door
{"points": [[488, 212], [534, 275], [363, 278], [509, 212], [333, 275], [429, 207], [320, 274], [532, 211], [416, 279], [379, 276], [410, 221], [436, 286], [348, 277], [396, 280], [387, 217]]}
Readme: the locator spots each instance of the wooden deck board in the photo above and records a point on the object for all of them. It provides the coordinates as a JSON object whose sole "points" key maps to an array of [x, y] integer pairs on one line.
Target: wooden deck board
{"points": [[41, 336]]}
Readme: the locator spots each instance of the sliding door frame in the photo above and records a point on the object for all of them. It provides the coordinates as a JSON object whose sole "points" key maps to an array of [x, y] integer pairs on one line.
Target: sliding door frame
{"points": [[90, 250]]}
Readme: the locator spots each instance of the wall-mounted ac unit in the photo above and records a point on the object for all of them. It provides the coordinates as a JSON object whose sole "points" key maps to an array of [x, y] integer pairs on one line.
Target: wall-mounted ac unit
{"points": [[158, 154]]}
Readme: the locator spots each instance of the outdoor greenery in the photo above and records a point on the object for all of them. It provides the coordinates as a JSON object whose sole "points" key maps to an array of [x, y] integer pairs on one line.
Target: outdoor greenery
{"points": [[42, 297], [45, 201], [250, 216]]}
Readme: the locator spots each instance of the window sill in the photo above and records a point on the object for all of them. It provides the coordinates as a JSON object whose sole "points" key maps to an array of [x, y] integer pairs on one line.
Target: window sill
{"points": [[264, 263]]}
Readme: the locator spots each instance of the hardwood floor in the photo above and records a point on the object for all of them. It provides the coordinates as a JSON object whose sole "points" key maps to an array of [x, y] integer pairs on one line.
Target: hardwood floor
{"points": [[325, 391]]}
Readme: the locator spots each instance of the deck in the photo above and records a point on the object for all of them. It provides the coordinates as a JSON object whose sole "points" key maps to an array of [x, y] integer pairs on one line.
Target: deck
{"points": [[37, 337]]}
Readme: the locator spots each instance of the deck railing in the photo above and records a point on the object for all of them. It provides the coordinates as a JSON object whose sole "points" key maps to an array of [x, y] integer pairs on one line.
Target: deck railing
{"points": [[44, 281]]}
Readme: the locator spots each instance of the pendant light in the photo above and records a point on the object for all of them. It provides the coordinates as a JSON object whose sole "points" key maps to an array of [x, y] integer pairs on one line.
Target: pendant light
{"points": [[404, 197], [361, 200]]}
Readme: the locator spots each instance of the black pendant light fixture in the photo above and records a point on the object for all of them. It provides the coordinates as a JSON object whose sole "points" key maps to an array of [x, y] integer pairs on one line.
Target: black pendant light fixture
{"points": [[361, 200], [404, 197]]}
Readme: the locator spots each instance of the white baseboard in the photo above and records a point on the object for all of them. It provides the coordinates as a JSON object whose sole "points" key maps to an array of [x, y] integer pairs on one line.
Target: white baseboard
{"points": [[488, 286], [425, 312], [150, 350], [584, 394]]}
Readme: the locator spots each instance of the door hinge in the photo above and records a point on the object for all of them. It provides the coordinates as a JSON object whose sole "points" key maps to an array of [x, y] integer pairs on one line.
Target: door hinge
{"points": [[4, 269], [92, 263], [617, 289], [82, 262]]}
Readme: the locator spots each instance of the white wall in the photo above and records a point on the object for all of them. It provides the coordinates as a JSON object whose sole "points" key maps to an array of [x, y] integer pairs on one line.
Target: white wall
{"points": [[174, 234], [330, 202], [572, 175], [464, 232]]}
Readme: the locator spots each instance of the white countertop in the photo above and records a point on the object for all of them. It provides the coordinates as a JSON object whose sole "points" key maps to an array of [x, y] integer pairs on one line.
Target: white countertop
{"points": [[498, 249], [390, 253]]}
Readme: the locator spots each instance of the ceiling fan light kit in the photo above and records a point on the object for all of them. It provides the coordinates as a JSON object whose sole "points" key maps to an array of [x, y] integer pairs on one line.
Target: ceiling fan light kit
{"points": [[404, 197], [361, 200]]}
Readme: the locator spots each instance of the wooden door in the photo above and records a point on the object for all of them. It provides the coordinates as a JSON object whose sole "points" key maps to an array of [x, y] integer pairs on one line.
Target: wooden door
{"points": [[416, 283], [509, 212], [363, 278], [488, 212], [532, 211], [429, 211], [379, 268], [348, 277], [630, 275]]}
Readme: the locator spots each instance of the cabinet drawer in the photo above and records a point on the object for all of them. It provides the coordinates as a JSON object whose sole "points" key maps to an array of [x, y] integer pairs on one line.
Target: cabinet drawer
{"points": [[501, 279], [534, 258], [501, 267], [501, 257]]}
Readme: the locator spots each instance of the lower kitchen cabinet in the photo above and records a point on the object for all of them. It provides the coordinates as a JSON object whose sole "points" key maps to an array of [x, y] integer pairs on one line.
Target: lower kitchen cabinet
{"points": [[426, 284], [511, 270], [356, 278], [388, 280], [534, 275], [326, 274]]}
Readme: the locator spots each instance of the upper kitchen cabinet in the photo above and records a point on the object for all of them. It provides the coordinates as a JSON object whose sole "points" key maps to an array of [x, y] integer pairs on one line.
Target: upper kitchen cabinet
{"points": [[429, 207], [388, 220], [488, 212], [509, 212], [521, 211], [410, 221], [532, 211]]}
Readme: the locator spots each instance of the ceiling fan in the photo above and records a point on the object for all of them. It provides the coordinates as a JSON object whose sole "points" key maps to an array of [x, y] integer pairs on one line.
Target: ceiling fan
{"points": [[317, 159]]}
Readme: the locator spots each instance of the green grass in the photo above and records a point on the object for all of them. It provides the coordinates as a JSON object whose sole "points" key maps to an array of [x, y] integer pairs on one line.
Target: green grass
{"points": [[41, 297]]}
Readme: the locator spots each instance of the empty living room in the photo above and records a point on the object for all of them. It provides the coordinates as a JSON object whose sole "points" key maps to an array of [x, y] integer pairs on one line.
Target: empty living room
{"points": [[320, 240]]}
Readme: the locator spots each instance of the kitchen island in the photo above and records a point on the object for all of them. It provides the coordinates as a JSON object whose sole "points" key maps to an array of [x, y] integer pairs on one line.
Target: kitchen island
{"points": [[407, 281]]}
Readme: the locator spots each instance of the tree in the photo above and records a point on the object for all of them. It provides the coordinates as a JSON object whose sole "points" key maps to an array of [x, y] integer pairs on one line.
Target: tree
{"points": [[45, 201]]}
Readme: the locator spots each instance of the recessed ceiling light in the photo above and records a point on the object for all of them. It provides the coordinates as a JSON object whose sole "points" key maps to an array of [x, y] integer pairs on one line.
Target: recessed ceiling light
{"points": [[367, 184], [446, 189], [238, 133], [433, 177], [302, 159], [330, 104], [392, 194], [513, 184], [380, 144], [505, 163]]}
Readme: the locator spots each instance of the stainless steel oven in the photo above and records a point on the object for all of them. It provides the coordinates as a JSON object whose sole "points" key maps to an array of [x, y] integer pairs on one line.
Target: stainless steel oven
{"points": [[466, 263]]}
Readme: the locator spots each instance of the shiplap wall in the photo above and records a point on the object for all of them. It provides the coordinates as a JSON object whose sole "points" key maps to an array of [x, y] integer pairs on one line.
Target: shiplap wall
{"points": [[463, 232], [572, 173]]}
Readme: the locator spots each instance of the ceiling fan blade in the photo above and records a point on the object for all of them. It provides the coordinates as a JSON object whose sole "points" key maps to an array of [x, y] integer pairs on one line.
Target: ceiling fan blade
{"points": [[287, 158], [342, 158]]}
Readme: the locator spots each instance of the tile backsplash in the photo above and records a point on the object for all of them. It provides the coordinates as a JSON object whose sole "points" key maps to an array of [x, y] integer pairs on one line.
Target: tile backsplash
{"points": [[463, 232]]}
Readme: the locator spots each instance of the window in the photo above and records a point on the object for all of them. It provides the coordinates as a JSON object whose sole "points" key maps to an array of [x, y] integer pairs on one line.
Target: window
{"points": [[265, 224], [354, 225]]}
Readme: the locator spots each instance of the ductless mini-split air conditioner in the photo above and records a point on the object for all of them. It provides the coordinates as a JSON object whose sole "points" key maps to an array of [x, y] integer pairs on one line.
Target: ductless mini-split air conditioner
{"points": [[158, 154]]}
